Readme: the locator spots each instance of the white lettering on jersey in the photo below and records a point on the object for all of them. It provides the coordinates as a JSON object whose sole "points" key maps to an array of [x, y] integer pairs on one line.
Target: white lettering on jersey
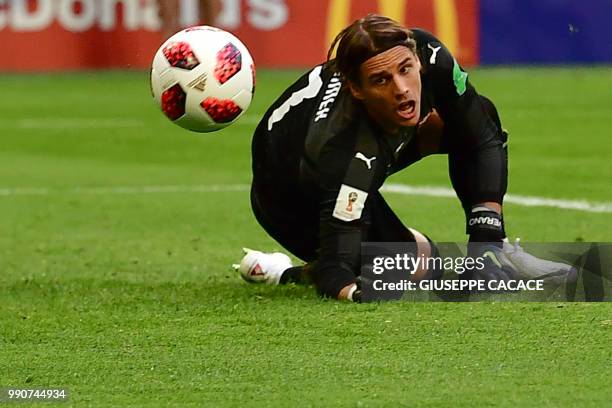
{"points": [[331, 92], [434, 53], [367, 161], [349, 203], [312, 89]]}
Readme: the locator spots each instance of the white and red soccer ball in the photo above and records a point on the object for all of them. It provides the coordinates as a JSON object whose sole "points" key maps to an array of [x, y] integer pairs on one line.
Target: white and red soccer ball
{"points": [[203, 78]]}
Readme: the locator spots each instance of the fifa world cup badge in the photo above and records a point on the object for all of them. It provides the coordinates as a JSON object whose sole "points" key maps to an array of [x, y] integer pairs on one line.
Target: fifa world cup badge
{"points": [[349, 203], [352, 197]]}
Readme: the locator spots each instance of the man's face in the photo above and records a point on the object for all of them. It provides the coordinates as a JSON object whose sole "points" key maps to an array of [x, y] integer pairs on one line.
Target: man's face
{"points": [[390, 88]]}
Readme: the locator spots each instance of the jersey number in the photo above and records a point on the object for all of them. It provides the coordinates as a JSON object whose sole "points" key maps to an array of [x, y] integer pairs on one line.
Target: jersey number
{"points": [[310, 91]]}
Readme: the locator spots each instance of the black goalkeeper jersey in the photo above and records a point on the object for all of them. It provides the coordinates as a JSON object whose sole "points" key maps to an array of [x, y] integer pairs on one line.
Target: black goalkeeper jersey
{"points": [[319, 147], [309, 136]]}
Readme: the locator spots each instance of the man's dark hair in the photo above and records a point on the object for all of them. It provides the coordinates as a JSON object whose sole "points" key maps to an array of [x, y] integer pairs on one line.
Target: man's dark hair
{"points": [[365, 38]]}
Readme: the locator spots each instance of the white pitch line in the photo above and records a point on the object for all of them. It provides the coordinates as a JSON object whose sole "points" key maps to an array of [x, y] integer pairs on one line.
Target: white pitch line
{"points": [[526, 201], [72, 123], [95, 123], [24, 191], [212, 188], [426, 191]]}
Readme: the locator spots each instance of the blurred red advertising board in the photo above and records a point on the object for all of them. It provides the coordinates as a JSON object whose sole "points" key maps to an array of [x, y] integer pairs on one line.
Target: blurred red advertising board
{"points": [[43, 35]]}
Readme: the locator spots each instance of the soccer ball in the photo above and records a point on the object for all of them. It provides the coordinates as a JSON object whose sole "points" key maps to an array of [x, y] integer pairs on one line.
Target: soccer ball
{"points": [[203, 78]]}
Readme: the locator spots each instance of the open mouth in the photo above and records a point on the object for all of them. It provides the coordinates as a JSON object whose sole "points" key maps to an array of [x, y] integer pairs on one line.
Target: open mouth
{"points": [[407, 110]]}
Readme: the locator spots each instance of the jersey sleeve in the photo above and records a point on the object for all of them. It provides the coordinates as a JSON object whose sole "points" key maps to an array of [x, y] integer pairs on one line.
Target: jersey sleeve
{"points": [[473, 134], [345, 184], [454, 97]]}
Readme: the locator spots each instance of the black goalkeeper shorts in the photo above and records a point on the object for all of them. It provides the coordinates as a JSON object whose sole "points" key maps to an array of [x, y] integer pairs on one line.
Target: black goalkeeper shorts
{"points": [[294, 222]]}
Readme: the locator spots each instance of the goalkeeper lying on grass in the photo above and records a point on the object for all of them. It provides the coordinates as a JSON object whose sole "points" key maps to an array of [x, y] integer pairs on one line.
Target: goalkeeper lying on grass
{"points": [[323, 150]]}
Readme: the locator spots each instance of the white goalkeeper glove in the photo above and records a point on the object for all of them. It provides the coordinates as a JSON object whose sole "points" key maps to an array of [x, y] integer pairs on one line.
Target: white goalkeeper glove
{"points": [[260, 267]]}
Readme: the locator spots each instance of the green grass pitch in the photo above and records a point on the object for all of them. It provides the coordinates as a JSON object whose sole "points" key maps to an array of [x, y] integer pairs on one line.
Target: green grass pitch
{"points": [[124, 295]]}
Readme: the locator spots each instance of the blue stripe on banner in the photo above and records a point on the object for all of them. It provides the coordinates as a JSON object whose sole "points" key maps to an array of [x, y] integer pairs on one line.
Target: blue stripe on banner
{"points": [[545, 31]]}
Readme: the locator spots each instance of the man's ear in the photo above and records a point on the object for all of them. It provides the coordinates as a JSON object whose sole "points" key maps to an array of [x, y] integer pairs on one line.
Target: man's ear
{"points": [[355, 90]]}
